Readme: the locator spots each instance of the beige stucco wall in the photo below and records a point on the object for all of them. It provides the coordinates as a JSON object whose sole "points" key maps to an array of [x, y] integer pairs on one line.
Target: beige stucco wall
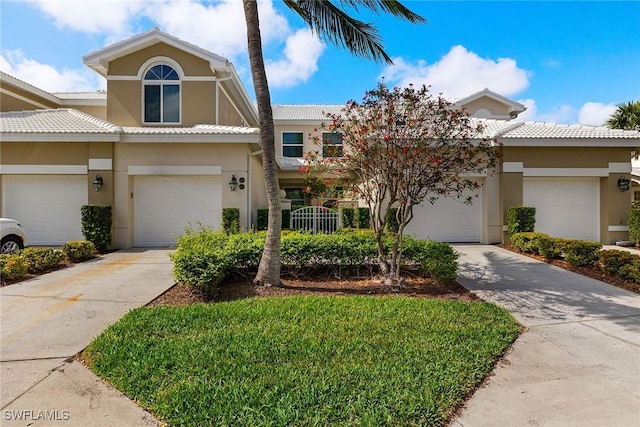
{"points": [[63, 153], [129, 65], [614, 204], [233, 158], [9, 102]]}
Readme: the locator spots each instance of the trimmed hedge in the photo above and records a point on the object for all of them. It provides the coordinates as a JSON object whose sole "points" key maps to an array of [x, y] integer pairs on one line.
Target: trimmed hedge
{"points": [[13, 267], [79, 250], [231, 220], [520, 219], [576, 252], [42, 259], [527, 242], [262, 219], [634, 223], [581, 252], [96, 225], [349, 218], [613, 260], [204, 258], [364, 218]]}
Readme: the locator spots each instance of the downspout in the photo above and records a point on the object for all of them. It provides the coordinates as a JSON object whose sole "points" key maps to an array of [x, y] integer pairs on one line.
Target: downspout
{"points": [[250, 186]]}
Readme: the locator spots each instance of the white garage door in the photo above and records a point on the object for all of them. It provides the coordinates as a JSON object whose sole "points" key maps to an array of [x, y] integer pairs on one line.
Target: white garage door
{"points": [[565, 207], [448, 220], [165, 205], [47, 206]]}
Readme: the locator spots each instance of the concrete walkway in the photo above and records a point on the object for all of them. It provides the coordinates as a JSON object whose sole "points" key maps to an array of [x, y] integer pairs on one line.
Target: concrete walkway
{"points": [[46, 321], [577, 363]]}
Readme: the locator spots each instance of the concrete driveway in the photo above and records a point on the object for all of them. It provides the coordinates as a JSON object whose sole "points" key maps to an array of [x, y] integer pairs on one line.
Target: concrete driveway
{"points": [[577, 363], [46, 321]]}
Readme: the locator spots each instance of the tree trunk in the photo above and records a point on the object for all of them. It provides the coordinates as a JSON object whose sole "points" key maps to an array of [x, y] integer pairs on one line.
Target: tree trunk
{"points": [[269, 269]]}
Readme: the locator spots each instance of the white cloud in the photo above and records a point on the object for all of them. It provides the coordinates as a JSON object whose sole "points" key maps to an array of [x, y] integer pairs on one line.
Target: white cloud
{"points": [[301, 53], [564, 114], [112, 17], [460, 73], [595, 113], [46, 77], [530, 114]]}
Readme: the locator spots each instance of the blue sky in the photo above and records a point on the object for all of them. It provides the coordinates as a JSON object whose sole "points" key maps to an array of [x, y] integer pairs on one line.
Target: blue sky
{"points": [[568, 62]]}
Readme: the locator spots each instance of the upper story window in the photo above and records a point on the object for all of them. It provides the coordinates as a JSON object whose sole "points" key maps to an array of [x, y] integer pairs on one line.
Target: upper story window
{"points": [[161, 95], [331, 145], [292, 144]]}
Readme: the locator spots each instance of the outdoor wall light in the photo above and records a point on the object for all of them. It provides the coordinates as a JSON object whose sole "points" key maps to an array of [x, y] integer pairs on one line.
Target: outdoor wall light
{"points": [[233, 184], [97, 183], [623, 183]]}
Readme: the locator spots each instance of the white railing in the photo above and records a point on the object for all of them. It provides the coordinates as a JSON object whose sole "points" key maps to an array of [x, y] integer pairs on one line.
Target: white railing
{"points": [[316, 219]]}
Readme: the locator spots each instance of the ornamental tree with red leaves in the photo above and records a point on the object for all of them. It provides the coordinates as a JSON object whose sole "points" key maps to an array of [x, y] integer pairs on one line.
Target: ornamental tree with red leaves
{"points": [[403, 147]]}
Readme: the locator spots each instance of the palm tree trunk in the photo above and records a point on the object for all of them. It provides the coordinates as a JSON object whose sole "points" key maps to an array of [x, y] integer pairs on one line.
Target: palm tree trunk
{"points": [[269, 269]]}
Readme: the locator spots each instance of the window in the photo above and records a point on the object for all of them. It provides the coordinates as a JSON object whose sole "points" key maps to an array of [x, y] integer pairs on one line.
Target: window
{"points": [[161, 95], [292, 144], [636, 195], [296, 196], [331, 145]]}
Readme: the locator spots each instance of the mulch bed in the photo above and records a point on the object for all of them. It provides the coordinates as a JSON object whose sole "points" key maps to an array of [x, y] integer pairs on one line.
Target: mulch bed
{"points": [[242, 287]]}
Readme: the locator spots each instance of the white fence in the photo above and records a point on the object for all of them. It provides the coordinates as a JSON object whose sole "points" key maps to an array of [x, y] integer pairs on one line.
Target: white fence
{"points": [[316, 219]]}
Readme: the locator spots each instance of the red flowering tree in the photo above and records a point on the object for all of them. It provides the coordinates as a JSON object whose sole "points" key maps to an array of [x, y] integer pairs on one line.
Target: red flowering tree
{"points": [[402, 147]]}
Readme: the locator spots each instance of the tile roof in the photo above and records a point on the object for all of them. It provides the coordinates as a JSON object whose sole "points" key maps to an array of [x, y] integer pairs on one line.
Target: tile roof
{"points": [[304, 112], [195, 130], [59, 121], [290, 163], [73, 96], [543, 130]]}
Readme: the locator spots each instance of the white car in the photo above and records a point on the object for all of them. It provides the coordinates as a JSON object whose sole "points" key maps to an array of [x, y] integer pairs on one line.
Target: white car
{"points": [[12, 236]]}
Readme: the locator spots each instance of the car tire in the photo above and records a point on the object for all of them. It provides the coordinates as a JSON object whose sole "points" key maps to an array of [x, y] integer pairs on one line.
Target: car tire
{"points": [[10, 245]]}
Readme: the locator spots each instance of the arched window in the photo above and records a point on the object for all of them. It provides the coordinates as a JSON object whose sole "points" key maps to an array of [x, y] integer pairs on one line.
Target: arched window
{"points": [[161, 95]]}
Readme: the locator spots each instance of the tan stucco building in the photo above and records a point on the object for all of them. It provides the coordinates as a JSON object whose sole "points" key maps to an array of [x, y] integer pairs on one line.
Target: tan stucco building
{"points": [[175, 127]]}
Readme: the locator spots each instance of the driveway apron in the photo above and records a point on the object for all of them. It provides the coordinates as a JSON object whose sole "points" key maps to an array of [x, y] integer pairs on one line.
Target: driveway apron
{"points": [[578, 361], [47, 320]]}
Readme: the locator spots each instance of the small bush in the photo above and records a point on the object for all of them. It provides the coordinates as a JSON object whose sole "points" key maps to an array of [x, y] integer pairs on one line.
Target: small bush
{"points": [[527, 242], [613, 260], [42, 259], [364, 218], [634, 223], [262, 219], [438, 260], [520, 219], [549, 247], [96, 225], [630, 271], [581, 252], [231, 220], [79, 250], [13, 267], [348, 218]]}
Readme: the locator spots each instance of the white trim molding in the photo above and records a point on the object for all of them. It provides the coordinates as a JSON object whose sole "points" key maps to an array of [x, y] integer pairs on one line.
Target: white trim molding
{"points": [[43, 169], [174, 170], [513, 167], [100, 164], [576, 172], [620, 167], [618, 228]]}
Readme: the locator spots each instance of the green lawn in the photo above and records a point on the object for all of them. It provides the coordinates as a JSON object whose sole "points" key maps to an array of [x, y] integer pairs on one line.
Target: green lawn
{"points": [[304, 360]]}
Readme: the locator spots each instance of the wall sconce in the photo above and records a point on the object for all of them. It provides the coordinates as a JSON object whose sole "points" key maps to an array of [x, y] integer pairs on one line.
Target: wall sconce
{"points": [[233, 184], [97, 183], [623, 183]]}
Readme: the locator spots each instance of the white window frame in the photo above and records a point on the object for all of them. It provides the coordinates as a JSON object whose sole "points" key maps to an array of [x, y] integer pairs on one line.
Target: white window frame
{"points": [[144, 83], [340, 146], [292, 145]]}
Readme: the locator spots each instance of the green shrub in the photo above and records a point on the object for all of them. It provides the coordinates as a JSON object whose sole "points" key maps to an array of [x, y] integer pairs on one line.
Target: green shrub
{"points": [[96, 225], [581, 252], [634, 223], [438, 260], [348, 218], [520, 219], [630, 271], [79, 250], [201, 259], [13, 267], [548, 247], [231, 220], [244, 250], [364, 218], [262, 219], [527, 242], [42, 259], [612, 260], [392, 225]]}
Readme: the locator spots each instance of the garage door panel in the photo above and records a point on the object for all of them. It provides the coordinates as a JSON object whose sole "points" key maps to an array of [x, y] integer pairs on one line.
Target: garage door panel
{"points": [[48, 206], [165, 205], [565, 207], [448, 220]]}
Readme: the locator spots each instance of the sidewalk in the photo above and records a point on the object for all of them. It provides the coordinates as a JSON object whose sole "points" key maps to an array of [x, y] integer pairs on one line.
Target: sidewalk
{"points": [[578, 361], [46, 321]]}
